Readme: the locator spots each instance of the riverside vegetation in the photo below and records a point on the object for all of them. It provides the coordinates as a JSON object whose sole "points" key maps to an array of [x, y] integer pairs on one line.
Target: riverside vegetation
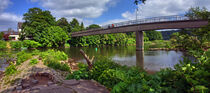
{"points": [[187, 76]]}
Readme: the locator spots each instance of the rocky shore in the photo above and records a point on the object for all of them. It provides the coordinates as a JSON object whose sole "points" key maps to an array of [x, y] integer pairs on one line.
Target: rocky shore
{"points": [[42, 79]]}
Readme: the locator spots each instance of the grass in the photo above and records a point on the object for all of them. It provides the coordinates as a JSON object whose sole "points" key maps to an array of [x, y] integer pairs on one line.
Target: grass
{"points": [[34, 61]]}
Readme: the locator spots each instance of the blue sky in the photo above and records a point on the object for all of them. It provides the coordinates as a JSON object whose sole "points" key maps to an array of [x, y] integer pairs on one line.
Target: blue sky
{"points": [[94, 11]]}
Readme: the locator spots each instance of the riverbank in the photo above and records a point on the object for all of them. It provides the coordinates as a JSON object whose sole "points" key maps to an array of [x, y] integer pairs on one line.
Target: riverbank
{"points": [[32, 76]]}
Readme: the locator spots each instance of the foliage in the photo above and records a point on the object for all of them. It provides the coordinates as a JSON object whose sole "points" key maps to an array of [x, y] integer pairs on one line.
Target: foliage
{"points": [[3, 44], [158, 44], [186, 77], [52, 59], [22, 57], [31, 44], [58, 55], [93, 26], [137, 1], [1, 35], [154, 35], [11, 69], [54, 36], [16, 44], [33, 61], [63, 23], [55, 64], [36, 20]]}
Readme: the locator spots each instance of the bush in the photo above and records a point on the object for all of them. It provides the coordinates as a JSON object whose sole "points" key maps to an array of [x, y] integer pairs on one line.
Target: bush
{"points": [[58, 55], [22, 56], [3, 44], [55, 64], [16, 44], [186, 77], [31, 44], [33, 61], [11, 69], [52, 59]]}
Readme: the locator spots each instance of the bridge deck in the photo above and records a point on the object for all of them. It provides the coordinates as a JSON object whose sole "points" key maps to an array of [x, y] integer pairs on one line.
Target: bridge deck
{"points": [[145, 25]]}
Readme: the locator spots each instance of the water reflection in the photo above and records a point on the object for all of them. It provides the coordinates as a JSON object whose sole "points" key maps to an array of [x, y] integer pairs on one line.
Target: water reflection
{"points": [[151, 61]]}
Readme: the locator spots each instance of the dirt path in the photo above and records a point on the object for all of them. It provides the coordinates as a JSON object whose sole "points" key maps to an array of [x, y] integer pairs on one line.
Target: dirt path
{"points": [[8, 45]]}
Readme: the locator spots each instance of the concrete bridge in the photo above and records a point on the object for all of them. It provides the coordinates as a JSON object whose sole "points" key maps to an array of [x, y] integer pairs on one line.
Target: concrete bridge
{"points": [[140, 25]]}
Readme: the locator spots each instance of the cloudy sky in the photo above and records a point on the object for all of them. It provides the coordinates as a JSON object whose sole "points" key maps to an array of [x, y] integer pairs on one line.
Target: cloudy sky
{"points": [[94, 11]]}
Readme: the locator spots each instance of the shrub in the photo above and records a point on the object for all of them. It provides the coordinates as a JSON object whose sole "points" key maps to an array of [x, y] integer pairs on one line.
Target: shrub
{"points": [[22, 56], [31, 44], [33, 61], [16, 44], [58, 55], [55, 64], [3, 44], [11, 69], [186, 77], [52, 59]]}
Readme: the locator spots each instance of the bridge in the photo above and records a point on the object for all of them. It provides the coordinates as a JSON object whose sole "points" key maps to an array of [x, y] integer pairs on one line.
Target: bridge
{"points": [[140, 25]]}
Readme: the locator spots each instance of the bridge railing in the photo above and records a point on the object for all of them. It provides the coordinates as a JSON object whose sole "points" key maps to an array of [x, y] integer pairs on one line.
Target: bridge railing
{"points": [[148, 20], [141, 21]]}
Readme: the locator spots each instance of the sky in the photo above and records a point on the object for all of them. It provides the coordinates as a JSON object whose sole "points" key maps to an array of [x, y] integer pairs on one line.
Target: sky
{"points": [[94, 11]]}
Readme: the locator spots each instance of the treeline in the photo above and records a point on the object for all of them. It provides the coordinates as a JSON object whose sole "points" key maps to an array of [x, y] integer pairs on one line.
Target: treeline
{"points": [[40, 26]]}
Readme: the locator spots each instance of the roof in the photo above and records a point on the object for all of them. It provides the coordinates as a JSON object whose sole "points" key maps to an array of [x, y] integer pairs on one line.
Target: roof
{"points": [[11, 32]]}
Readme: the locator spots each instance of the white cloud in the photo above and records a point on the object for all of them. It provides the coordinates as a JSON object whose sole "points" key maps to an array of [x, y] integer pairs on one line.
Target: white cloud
{"points": [[77, 8], [154, 8], [4, 4], [113, 21], [7, 20]]}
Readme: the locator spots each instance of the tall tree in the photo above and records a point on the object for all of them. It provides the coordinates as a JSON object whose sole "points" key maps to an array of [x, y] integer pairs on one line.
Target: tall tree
{"points": [[203, 34], [93, 26], [75, 25], [63, 23], [36, 21], [54, 36]]}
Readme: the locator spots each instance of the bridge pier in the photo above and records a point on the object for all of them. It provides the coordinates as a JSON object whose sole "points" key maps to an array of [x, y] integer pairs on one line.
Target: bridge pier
{"points": [[139, 41]]}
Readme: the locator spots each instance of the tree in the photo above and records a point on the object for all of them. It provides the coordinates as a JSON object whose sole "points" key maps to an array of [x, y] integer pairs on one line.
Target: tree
{"points": [[35, 23], [137, 1], [198, 13], [1, 35], [75, 25], [63, 23], [53, 36], [202, 34], [82, 26], [154, 35], [93, 26]]}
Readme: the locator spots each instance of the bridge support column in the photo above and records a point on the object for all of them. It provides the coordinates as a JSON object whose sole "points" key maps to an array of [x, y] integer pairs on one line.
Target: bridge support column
{"points": [[139, 41]]}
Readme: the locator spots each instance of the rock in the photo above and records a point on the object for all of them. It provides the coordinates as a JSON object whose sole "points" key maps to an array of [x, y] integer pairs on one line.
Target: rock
{"points": [[38, 87], [34, 81], [25, 85], [70, 82], [50, 83], [19, 88]]}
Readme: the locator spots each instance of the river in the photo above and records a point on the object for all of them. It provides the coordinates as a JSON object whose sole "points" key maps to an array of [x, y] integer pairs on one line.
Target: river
{"points": [[151, 61]]}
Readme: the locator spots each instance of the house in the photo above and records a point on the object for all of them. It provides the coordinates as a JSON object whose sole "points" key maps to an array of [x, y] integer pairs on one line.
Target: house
{"points": [[10, 35]]}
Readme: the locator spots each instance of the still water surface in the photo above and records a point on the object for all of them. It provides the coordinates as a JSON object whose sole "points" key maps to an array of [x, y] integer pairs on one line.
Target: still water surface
{"points": [[151, 61]]}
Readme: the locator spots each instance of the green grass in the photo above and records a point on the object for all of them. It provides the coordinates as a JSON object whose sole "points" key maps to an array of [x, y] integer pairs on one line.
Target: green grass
{"points": [[33, 61]]}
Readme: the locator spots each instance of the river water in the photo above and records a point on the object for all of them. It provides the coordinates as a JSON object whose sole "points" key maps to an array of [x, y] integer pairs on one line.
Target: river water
{"points": [[151, 61]]}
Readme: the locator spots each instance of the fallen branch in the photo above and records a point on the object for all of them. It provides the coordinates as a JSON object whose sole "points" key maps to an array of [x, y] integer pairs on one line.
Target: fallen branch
{"points": [[89, 61]]}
